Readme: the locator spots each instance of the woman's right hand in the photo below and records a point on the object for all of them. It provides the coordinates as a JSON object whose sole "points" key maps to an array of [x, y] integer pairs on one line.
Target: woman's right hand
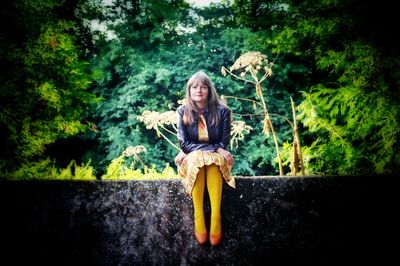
{"points": [[179, 158], [227, 155]]}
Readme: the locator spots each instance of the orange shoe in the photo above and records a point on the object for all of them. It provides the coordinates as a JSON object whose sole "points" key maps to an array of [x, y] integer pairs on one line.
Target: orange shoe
{"points": [[201, 238], [215, 239]]}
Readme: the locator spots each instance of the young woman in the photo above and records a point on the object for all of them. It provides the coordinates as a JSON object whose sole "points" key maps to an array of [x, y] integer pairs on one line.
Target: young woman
{"points": [[204, 125]]}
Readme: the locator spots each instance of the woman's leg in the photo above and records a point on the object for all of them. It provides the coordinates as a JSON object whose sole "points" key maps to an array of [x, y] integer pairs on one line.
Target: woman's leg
{"points": [[200, 229], [214, 187]]}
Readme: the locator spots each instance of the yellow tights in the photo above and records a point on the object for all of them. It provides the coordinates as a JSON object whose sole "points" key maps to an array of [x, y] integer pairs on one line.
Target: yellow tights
{"points": [[212, 176]]}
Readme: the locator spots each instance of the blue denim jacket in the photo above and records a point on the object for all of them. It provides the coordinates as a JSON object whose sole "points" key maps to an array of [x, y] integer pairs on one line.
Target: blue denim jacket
{"points": [[218, 136]]}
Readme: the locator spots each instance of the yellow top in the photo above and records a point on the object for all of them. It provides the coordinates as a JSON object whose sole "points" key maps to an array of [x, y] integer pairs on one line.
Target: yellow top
{"points": [[202, 128]]}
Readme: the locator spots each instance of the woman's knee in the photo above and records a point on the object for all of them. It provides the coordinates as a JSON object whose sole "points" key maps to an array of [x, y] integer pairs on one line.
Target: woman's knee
{"points": [[213, 167]]}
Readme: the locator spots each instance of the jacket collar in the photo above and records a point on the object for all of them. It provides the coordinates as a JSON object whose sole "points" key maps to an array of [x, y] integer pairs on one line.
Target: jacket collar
{"points": [[205, 112]]}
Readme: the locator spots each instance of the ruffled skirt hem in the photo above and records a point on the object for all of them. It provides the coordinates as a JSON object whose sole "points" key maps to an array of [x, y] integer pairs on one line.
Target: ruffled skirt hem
{"points": [[192, 163]]}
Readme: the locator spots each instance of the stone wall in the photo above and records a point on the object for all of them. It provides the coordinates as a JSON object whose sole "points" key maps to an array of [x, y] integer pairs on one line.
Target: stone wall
{"points": [[266, 221]]}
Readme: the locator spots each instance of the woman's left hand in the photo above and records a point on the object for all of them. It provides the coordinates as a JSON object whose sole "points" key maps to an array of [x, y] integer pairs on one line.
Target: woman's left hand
{"points": [[227, 155]]}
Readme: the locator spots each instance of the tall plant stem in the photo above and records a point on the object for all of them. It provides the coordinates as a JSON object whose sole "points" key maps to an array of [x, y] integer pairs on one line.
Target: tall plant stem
{"points": [[278, 154], [167, 139], [296, 140]]}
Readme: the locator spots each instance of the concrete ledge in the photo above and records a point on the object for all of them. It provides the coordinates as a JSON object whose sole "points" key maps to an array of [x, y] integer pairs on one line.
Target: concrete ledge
{"points": [[266, 221]]}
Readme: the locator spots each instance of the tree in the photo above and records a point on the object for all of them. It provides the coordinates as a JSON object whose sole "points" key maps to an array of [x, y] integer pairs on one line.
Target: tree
{"points": [[350, 105], [44, 86]]}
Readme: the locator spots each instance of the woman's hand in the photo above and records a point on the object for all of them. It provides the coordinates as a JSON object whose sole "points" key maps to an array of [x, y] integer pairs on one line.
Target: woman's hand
{"points": [[179, 158], [227, 155]]}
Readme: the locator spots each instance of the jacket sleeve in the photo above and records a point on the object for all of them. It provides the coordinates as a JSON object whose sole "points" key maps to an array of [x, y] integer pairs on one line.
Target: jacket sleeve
{"points": [[188, 145], [226, 129]]}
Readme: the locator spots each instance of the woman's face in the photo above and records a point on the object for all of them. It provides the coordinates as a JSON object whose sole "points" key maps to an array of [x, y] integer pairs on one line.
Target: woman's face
{"points": [[199, 93]]}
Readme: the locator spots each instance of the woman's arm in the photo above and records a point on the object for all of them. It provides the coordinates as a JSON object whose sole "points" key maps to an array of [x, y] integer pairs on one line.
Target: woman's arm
{"points": [[226, 129], [226, 134]]}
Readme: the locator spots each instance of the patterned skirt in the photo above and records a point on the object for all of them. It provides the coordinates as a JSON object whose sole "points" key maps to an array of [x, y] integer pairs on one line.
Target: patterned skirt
{"points": [[192, 163]]}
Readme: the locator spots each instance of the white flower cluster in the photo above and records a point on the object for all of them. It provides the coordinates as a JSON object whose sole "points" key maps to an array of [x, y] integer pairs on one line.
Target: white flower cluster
{"points": [[134, 150], [153, 119]]}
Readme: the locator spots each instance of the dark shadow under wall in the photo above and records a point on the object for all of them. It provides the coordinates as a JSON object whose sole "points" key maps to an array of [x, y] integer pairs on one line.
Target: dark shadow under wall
{"points": [[266, 221]]}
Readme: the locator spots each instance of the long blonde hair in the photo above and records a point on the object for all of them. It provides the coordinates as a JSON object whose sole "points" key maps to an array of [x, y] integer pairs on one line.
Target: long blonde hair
{"points": [[213, 99]]}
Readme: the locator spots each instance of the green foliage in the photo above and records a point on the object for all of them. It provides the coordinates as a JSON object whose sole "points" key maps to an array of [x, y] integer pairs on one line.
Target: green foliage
{"points": [[36, 170], [358, 131], [342, 71], [46, 170], [349, 108], [74, 171], [59, 81], [261, 14], [46, 96], [118, 171]]}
